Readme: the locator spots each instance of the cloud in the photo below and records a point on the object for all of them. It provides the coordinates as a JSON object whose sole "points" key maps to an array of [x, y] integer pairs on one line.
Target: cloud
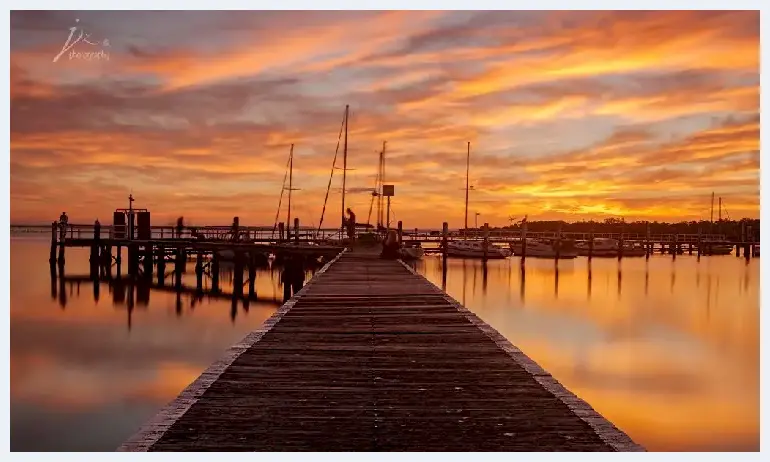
{"points": [[580, 115]]}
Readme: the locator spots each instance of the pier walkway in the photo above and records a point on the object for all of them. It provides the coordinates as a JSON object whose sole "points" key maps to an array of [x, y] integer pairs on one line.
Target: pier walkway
{"points": [[370, 356]]}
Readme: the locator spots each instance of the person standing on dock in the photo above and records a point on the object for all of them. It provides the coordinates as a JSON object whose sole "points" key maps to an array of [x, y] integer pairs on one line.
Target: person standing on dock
{"points": [[351, 225], [63, 219], [179, 227]]}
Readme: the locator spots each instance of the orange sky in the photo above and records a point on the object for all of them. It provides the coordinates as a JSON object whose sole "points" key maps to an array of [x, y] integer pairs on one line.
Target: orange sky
{"points": [[571, 115]]}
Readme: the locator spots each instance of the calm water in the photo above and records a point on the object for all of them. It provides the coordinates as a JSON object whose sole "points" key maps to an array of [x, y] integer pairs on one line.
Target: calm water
{"points": [[668, 350]]}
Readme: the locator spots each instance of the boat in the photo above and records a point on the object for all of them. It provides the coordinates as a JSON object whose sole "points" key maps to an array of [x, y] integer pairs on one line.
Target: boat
{"points": [[606, 247], [412, 252], [466, 248], [539, 248], [474, 249], [716, 248]]}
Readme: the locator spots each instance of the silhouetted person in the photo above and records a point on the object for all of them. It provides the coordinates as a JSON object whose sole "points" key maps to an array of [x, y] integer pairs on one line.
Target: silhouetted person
{"points": [[390, 247], [235, 231], [63, 219], [351, 225], [179, 227]]}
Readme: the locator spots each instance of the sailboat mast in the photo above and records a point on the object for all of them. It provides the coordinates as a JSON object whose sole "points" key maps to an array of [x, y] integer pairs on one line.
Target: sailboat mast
{"points": [[467, 174], [345, 164], [720, 209], [382, 182], [291, 172], [379, 192]]}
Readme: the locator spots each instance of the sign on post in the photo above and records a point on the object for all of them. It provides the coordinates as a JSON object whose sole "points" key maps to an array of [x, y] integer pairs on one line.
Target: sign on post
{"points": [[388, 190]]}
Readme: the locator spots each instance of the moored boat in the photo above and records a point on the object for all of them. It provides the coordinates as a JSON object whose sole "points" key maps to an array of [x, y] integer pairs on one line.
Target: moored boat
{"points": [[716, 248], [412, 252], [606, 247], [539, 248], [474, 249]]}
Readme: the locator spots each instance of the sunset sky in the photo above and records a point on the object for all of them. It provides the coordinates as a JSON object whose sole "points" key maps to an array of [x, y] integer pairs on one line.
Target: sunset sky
{"points": [[570, 115]]}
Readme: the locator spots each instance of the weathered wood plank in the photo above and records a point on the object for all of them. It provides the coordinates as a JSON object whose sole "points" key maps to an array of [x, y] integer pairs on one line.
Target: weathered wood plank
{"points": [[370, 356]]}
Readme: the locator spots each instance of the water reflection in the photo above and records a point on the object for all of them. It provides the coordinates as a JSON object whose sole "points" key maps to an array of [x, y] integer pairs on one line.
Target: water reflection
{"points": [[89, 366], [667, 349]]}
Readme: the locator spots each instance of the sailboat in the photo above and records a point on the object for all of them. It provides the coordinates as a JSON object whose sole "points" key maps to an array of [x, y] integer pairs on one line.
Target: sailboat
{"points": [[469, 248]]}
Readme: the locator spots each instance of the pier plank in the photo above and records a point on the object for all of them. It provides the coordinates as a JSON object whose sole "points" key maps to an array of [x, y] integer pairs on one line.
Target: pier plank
{"points": [[370, 356]]}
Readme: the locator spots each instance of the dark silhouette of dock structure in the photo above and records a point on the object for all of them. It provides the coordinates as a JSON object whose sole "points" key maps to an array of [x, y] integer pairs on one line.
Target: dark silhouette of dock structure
{"points": [[370, 356]]}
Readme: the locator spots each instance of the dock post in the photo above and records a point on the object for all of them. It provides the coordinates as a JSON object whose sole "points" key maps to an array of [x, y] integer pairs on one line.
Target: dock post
{"points": [[199, 271], [215, 271], [675, 247], [523, 242], [95, 261], [252, 276], [444, 242], [60, 259], [238, 275], [280, 232], [621, 245], [161, 264], [737, 250], [486, 241], [558, 243], [133, 260], [52, 256], [647, 248], [699, 241], [148, 257], [179, 263], [118, 261], [296, 230], [591, 243], [400, 232]]}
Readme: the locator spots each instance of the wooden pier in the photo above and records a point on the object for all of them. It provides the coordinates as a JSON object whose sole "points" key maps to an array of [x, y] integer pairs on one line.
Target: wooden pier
{"points": [[370, 356]]}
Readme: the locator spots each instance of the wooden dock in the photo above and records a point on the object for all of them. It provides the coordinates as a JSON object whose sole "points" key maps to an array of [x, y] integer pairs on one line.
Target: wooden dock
{"points": [[370, 356]]}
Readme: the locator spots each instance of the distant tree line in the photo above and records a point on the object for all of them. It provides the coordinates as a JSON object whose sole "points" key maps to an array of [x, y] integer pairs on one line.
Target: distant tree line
{"points": [[730, 228]]}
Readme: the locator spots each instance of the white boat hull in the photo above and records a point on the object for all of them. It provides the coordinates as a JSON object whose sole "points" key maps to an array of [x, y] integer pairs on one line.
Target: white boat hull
{"points": [[475, 249], [538, 249], [412, 253]]}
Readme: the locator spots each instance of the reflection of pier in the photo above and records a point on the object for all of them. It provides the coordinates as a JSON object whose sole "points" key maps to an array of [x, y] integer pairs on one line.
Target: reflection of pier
{"points": [[130, 294]]}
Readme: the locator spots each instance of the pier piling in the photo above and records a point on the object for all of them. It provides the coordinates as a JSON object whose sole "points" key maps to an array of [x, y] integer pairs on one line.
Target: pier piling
{"points": [[252, 276], [147, 259], [161, 256], [95, 260], [199, 271], [215, 272], [486, 242], [52, 256]]}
